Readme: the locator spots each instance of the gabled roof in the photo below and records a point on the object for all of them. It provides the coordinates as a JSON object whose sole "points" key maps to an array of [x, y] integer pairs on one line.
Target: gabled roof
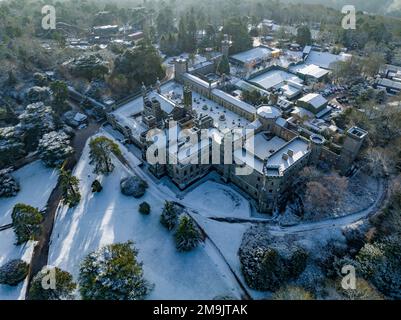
{"points": [[314, 99]]}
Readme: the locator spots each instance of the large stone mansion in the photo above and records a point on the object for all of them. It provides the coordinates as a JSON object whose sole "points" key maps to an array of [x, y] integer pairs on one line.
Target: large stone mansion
{"points": [[261, 139]]}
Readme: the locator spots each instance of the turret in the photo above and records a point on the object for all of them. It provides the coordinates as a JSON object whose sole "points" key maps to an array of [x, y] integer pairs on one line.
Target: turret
{"points": [[144, 92], [316, 145], [225, 45], [180, 67], [187, 94], [352, 144], [158, 84]]}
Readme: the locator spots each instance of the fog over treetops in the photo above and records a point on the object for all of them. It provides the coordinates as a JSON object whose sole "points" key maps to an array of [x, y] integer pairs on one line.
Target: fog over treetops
{"points": [[388, 7]]}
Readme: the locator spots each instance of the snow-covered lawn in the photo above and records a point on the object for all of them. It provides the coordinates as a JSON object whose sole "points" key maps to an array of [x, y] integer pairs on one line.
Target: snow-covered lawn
{"points": [[110, 217], [37, 182], [218, 200]]}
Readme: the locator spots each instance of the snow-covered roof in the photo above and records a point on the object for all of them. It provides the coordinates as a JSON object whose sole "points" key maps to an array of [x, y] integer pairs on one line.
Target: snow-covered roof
{"points": [[307, 49], [264, 147], [254, 125], [269, 112], [310, 70], [283, 103], [279, 155], [387, 83], [276, 79], [290, 90], [173, 91], [281, 122], [244, 85], [196, 79], [105, 27], [325, 59], [79, 117], [314, 99], [165, 104], [256, 54], [302, 113], [135, 126], [200, 65], [235, 101], [299, 149]]}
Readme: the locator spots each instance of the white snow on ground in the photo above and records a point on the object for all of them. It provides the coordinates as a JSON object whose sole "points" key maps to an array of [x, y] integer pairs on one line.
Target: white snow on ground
{"points": [[110, 217], [218, 200], [228, 238], [37, 182]]}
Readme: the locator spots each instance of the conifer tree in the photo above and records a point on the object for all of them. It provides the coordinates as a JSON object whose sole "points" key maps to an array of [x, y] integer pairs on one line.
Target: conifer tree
{"points": [[26, 222], [113, 273], [101, 149], [63, 289], [187, 235], [70, 188], [169, 216]]}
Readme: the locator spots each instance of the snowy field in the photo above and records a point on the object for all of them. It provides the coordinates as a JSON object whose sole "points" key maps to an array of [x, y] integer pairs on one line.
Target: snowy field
{"points": [[110, 217], [218, 200], [37, 182]]}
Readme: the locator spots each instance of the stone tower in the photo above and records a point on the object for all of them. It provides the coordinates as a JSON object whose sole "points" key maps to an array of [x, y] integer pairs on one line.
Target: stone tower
{"points": [[225, 45], [158, 84], [265, 201], [187, 98], [157, 110], [144, 92], [352, 144], [316, 144], [180, 67]]}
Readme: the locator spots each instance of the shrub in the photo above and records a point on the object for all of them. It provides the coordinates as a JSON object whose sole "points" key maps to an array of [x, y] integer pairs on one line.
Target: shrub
{"points": [[268, 264], [13, 272], [133, 186], [144, 208], [96, 186], [292, 293], [363, 291]]}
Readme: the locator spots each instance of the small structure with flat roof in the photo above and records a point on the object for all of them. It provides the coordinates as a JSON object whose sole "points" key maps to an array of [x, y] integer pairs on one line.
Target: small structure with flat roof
{"points": [[313, 102]]}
